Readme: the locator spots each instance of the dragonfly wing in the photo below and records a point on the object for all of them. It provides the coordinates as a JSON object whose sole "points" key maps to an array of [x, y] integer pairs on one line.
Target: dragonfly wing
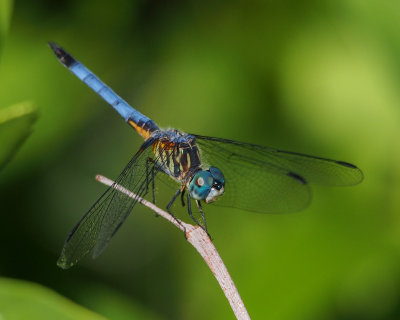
{"points": [[94, 231], [268, 180], [165, 180]]}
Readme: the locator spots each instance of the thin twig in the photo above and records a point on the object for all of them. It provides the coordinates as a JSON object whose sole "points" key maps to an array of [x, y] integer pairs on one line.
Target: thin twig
{"points": [[200, 240]]}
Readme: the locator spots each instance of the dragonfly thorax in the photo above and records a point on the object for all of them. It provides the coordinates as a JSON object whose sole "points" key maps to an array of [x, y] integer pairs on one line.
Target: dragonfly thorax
{"points": [[177, 154]]}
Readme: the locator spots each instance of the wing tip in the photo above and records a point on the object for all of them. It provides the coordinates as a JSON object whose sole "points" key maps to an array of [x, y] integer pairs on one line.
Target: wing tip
{"points": [[297, 177], [357, 171], [63, 262]]}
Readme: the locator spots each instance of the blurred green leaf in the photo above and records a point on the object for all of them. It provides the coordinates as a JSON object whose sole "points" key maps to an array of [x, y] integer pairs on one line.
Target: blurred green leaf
{"points": [[27, 300], [5, 15], [114, 304], [15, 126]]}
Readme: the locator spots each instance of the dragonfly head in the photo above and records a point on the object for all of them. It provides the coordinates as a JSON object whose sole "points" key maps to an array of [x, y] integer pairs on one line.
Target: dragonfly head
{"points": [[207, 185]]}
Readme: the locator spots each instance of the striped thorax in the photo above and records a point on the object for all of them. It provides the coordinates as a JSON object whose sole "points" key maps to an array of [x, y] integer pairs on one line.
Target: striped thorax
{"points": [[176, 154]]}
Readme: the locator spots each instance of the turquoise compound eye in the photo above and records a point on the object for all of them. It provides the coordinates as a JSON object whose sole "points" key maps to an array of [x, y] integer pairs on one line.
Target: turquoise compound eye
{"points": [[218, 176], [200, 185], [207, 185]]}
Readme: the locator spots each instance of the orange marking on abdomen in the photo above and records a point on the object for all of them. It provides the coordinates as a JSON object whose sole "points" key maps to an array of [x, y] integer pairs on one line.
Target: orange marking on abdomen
{"points": [[143, 132]]}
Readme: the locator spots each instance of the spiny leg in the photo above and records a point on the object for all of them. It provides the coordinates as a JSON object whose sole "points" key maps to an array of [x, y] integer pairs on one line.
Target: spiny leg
{"points": [[189, 206], [182, 198], [176, 195], [153, 178], [172, 201], [153, 174], [202, 216]]}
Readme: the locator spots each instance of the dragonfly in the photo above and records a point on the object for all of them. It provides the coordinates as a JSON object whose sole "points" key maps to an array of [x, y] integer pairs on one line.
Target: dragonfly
{"points": [[203, 170]]}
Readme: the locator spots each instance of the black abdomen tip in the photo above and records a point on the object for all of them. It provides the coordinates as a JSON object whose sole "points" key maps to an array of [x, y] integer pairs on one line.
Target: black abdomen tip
{"points": [[64, 57]]}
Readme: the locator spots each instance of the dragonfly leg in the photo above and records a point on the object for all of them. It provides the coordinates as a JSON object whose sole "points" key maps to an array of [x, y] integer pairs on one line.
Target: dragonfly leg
{"points": [[169, 208], [153, 178], [202, 216], [189, 206], [172, 201], [182, 198], [153, 174]]}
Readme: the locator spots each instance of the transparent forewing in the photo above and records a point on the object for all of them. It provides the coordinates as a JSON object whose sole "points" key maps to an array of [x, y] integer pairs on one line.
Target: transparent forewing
{"points": [[165, 180], [267, 180], [96, 228]]}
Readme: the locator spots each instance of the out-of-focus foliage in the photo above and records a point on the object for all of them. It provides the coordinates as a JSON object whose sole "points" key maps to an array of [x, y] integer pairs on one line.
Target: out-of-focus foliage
{"points": [[26, 300], [5, 15], [15, 126], [315, 77]]}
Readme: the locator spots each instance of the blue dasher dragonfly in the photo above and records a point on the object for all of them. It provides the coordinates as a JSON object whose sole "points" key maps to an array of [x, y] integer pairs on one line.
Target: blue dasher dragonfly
{"points": [[207, 169]]}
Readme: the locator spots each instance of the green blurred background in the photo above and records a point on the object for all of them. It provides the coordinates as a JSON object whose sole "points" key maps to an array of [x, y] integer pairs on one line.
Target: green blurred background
{"points": [[318, 77]]}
